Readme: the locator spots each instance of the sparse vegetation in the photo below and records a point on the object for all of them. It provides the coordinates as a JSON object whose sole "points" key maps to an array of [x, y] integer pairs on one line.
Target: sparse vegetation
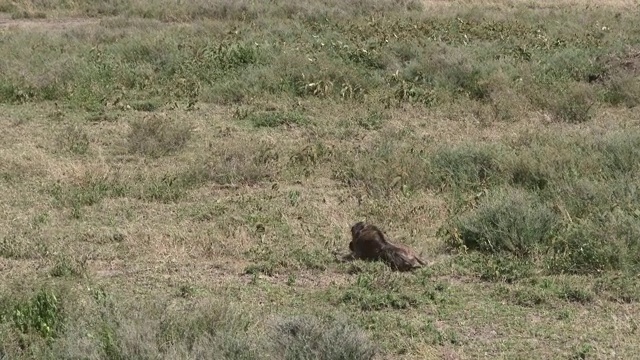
{"points": [[176, 178], [157, 136]]}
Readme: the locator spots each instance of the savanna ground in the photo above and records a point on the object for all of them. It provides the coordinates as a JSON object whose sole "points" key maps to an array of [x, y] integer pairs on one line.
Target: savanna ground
{"points": [[176, 176]]}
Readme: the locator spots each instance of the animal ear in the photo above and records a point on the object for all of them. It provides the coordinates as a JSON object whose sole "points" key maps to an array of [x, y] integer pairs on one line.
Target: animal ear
{"points": [[357, 227]]}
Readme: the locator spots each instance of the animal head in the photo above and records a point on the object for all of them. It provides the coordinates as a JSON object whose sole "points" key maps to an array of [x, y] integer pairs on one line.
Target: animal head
{"points": [[356, 228]]}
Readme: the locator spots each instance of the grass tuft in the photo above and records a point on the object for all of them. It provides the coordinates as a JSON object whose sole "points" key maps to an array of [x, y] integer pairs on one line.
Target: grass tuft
{"points": [[507, 220], [74, 139], [42, 314], [304, 337], [156, 136]]}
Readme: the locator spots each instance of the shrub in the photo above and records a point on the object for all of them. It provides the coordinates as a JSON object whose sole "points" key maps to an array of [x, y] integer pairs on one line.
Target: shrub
{"points": [[89, 192], [622, 89], [575, 294], [529, 176], [68, 266], [220, 332], [620, 152], [507, 220]]}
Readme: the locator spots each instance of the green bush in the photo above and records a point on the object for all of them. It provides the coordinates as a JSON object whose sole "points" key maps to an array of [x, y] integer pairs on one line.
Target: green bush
{"points": [[506, 220], [41, 314]]}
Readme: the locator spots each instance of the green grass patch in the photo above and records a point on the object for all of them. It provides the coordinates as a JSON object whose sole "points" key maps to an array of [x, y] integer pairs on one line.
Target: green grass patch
{"points": [[506, 220]]}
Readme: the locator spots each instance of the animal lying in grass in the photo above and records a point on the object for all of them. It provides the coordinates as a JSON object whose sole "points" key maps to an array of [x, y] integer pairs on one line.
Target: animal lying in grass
{"points": [[368, 242]]}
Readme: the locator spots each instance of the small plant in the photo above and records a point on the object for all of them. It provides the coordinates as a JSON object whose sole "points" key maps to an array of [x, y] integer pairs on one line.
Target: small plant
{"points": [[313, 260], [467, 81], [291, 280], [622, 89], [619, 152], [307, 159], [525, 175], [231, 56], [572, 105], [373, 121], [582, 352], [294, 197], [594, 247], [74, 139], [68, 266], [505, 269], [41, 314], [236, 165], [413, 93], [187, 291], [146, 105], [157, 136], [167, 189], [28, 15], [216, 330]]}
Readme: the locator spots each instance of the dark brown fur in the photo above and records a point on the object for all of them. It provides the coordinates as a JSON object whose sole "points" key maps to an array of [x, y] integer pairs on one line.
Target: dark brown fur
{"points": [[370, 243]]}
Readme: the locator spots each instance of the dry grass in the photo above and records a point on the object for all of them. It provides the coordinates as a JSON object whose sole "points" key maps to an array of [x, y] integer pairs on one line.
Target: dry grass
{"points": [[173, 199]]}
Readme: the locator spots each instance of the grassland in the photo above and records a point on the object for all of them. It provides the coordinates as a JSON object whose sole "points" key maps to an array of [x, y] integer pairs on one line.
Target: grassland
{"points": [[176, 177]]}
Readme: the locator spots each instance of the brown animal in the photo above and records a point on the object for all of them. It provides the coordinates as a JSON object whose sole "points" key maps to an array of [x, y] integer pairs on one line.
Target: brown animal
{"points": [[370, 243]]}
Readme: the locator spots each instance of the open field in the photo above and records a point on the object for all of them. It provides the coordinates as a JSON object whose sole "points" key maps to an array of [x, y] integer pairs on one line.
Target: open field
{"points": [[175, 178]]}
